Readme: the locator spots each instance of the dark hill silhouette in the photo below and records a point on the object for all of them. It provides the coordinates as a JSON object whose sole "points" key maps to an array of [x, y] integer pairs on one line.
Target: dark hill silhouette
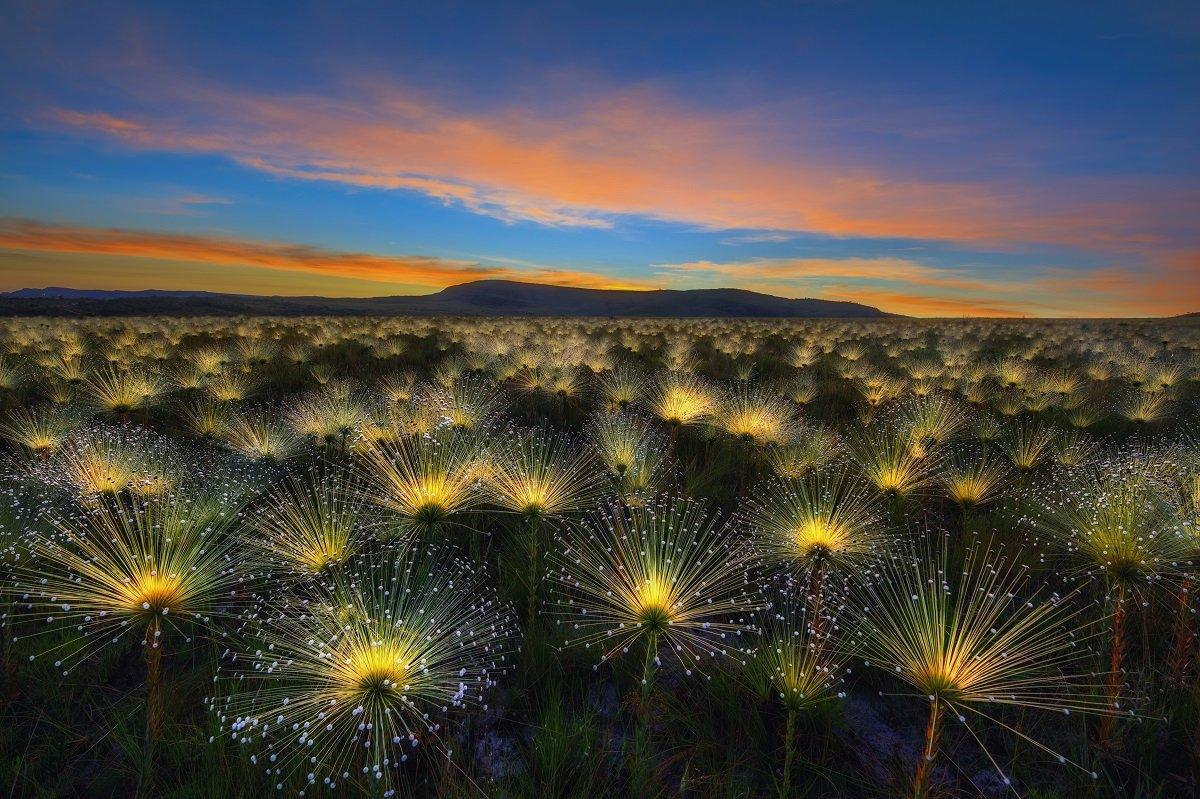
{"points": [[479, 298]]}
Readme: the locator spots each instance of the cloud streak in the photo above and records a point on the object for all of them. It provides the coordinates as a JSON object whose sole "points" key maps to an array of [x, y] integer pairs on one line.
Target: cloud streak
{"points": [[587, 161], [901, 285], [898, 285], [412, 270]]}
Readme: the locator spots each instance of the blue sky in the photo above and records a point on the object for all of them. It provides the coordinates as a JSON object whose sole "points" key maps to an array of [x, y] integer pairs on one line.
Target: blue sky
{"points": [[934, 159]]}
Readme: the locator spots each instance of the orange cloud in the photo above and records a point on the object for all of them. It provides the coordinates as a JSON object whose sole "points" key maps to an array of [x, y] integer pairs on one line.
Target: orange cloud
{"points": [[921, 305], [33, 236], [765, 270], [1169, 286], [585, 162], [893, 284]]}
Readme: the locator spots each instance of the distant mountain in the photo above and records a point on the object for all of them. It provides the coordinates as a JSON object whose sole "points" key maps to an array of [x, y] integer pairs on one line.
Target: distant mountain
{"points": [[60, 293], [479, 298]]}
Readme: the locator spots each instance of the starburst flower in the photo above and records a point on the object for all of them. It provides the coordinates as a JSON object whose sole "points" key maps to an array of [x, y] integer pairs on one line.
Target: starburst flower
{"points": [[10, 376], [103, 462], [537, 476], [800, 389], [1183, 491], [1116, 527], [1143, 408], [120, 391], [1073, 447], [667, 573], [40, 431], [310, 524], [972, 482], [621, 387], [348, 677], [619, 439], [205, 419], [230, 387], [397, 388], [329, 417], [893, 463], [1027, 445], [467, 404], [810, 448], [141, 566], [933, 419], [1011, 372], [974, 642], [426, 480], [632, 453], [257, 437], [819, 520], [802, 665], [155, 570], [681, 398], [1083, 416], [755, 416]]}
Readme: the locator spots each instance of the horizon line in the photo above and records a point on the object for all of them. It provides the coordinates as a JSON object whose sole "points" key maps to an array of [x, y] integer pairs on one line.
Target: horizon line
{"points": [[885, 315]]}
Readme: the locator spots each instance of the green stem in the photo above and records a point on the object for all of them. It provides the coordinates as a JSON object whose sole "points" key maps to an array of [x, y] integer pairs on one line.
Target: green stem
{"points": [[1184, 636], [642, 774], [474, 547], [648, 667], [154, 703], [9, 665], [535, 571], [788, 752]]}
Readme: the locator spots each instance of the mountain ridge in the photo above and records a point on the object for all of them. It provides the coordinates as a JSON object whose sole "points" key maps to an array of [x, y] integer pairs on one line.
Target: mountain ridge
{"points": [[475, 298]]}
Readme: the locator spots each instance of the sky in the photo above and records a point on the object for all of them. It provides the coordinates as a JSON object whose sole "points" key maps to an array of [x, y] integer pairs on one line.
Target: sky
{"points": [[932, 159]]}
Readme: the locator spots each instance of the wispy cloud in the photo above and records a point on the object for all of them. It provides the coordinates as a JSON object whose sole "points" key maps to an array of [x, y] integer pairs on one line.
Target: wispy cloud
{"points": [[895, 284], [186, 204], [586, 161], [759, 238], [415, 270], [803, 270], [918, 304], [1167, 286]]}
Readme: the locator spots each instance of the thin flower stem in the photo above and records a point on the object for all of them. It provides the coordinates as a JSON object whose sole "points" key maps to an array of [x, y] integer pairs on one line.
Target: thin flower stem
{"points": [[648, 668], [1185, 637], [1116, 661], [933, 732], [154, 704], [789, 745], [535, 571]]}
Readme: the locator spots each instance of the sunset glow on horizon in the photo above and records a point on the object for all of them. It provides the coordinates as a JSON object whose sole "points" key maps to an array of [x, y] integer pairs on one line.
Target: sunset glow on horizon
{"points": [[994, 160]]}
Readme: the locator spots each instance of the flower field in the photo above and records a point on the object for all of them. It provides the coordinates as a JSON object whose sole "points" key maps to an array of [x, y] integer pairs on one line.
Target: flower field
{"points": [[444, 557]]}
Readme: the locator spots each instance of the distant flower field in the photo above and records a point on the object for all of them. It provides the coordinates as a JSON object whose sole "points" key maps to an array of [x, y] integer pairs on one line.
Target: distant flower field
{"points": [[450, 557]]}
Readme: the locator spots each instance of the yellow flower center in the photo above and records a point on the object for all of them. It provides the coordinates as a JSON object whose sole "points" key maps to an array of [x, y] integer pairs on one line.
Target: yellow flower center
{"points": [[373, 668], [752, 424], [154, 593], [319, 555], [653, 600], [820, 535], [891, 479], [680, 406]]}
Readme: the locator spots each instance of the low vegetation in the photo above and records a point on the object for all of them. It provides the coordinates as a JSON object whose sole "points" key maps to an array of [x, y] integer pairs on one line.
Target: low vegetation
{"points": [[593, 557]]}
